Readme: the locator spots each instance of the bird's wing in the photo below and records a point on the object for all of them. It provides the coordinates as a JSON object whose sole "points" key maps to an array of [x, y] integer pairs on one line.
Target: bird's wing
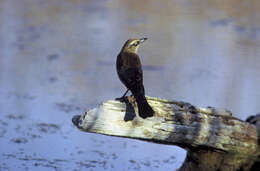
{"points": [[130, 71], [132, 78]]}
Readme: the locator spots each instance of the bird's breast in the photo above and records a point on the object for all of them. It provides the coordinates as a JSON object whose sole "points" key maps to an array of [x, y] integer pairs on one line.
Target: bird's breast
{"points": [[130, 60]]}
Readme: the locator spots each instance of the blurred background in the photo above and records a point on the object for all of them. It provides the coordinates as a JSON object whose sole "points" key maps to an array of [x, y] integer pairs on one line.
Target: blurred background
{"points": [[57, 59]]}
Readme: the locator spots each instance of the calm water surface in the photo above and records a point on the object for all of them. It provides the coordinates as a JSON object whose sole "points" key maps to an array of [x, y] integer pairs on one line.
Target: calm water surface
{"points": [[57, 59]]}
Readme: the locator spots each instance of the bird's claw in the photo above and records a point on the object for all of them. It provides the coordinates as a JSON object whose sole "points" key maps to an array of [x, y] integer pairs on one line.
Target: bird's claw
{"points": [[121, 99]]}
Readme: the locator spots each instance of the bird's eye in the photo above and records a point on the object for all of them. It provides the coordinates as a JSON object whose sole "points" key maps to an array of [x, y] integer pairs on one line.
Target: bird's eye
{"points": [[136, 43]]}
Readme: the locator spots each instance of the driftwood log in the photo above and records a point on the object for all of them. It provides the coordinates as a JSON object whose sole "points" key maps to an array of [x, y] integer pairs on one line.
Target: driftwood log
{"points": [[213, 138]]}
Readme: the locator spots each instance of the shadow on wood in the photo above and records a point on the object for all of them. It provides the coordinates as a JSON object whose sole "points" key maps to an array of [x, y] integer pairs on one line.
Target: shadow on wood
{"points": [[214, 140]]}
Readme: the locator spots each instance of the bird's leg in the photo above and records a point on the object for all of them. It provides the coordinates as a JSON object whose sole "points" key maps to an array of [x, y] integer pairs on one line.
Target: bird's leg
{"points": [[122, 99]]}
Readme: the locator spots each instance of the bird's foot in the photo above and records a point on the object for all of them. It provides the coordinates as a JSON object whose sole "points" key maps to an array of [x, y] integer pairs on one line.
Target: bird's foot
{"points": [[121, 99]]}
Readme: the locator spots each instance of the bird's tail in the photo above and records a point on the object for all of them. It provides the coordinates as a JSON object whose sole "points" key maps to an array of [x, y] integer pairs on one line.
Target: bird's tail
{"points": [[144, 109]]}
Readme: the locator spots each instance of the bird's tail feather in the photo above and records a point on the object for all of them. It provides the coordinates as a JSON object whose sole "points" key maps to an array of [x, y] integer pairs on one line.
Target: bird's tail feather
{"points": [[144, 109]]}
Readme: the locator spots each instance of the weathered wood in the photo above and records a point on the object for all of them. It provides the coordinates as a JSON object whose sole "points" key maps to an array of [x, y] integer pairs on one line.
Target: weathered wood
{"points": [[213, 138]]}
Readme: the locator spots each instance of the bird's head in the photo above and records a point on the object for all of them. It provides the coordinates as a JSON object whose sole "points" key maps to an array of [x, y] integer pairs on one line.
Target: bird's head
{"points": [[132, 45]]}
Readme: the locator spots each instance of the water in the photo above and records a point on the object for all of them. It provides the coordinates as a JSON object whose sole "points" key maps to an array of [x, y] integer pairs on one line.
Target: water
{"points": [[57, 59]]}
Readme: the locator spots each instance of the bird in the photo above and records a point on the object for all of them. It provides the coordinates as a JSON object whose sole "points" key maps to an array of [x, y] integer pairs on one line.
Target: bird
{"points": [[129, 70]]}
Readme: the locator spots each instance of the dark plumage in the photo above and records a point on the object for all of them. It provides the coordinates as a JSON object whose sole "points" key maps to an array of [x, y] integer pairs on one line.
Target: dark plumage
{"points": [[130, 72]]}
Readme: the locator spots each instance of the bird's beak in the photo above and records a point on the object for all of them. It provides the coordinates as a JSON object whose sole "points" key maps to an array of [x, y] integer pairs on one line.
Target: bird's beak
{"points": [[143, 39]]}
